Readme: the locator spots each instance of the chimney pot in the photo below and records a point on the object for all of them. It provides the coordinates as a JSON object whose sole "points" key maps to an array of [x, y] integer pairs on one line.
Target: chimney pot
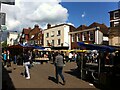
{"points": [[48, 26]]}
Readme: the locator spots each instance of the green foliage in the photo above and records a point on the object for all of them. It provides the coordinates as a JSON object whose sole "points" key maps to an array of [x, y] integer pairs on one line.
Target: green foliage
{"points": [[4, 44]]}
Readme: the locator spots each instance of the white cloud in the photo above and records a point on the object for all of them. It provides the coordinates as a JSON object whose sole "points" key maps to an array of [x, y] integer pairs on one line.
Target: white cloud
{"points": [[27, 14], [11, 24]]}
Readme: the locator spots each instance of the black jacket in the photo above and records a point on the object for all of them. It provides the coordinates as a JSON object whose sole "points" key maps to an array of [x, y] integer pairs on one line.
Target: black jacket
{"points": [[26, 58]]}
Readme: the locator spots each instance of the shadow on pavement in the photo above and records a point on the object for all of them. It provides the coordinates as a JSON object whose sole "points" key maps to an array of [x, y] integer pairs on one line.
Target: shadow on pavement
{"points": [[52, 79], [74, 72], [7, 83]]}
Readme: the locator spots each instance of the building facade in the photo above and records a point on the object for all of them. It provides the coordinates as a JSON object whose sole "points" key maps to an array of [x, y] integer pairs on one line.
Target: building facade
{"points": [[12, 36], [32, 36], [57, 35], [114, 30], [94, 34]]}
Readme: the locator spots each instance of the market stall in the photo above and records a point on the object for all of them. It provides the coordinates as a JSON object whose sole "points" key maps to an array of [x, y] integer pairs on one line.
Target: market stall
{"points": [[100, 71]]}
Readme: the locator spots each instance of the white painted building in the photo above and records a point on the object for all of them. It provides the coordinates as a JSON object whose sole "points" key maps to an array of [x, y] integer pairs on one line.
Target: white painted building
{"points": [[12, 36], [57, 35]]}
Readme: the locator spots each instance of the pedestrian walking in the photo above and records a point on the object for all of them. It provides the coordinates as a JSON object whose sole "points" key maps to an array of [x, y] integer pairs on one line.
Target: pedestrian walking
{"points": [[59, 67], [26, 64], [8, 58], [15, 59], [5, 58]]}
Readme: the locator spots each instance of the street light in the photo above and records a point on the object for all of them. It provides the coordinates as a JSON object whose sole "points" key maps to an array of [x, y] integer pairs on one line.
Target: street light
{"points": [[2, 17]]}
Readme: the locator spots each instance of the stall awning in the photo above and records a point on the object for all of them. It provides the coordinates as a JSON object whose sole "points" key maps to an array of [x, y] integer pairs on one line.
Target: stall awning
{"points": [[96, 47], [39, 47]]}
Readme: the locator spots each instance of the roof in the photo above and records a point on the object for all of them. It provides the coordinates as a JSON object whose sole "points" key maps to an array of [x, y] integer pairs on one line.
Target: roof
{"points": [[114, 11], [59, 25], [103, 27], [26, 31], [82, 27]]}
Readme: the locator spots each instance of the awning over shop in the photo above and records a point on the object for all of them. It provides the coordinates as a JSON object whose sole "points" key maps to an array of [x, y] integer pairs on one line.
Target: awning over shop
{"points": [[96, 47], [59, 48], [39, 47], [26, 46]]}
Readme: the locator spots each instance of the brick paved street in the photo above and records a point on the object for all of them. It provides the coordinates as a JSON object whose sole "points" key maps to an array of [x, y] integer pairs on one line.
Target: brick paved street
{"points": [[40, 74]]}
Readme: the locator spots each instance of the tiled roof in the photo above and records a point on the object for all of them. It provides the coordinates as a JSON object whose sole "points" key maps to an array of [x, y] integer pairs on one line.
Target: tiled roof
{"points": [[26, 31], [81, 27], [103, 27]]}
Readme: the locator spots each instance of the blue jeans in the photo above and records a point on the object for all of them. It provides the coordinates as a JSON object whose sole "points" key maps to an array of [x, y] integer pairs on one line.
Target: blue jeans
{"points": [[59, 72]]}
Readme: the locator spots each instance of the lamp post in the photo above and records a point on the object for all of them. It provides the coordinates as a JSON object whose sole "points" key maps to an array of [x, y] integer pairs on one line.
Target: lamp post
{"points": [[10, 2]]}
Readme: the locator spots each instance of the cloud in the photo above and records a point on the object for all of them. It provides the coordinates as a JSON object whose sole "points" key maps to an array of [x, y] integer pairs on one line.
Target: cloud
{"points": [[11, 24], [83, 15], [27, 14]]}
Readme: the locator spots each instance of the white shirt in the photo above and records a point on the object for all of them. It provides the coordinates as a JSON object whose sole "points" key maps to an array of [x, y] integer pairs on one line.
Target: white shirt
{"points": [[70, 55]]}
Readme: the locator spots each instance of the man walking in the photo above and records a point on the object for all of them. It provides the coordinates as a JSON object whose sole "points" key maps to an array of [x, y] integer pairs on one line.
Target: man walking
{"points": [[26, 64], [59, 67]]}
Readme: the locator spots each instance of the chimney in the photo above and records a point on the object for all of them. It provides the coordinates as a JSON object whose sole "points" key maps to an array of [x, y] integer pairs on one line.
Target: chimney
{"points": [[48, 26], [29, 27], [36, 26]]}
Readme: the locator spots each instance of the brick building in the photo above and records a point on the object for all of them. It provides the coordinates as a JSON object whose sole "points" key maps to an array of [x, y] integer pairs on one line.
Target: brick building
{"points": [[32, 36], [94, 33]]}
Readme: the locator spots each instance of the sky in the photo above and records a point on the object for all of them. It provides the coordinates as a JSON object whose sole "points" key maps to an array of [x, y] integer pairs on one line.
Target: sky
{"points": [[27, 14]]}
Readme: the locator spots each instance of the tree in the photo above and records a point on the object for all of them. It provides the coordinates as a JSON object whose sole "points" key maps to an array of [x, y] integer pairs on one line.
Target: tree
{"points": [[4, 44]]}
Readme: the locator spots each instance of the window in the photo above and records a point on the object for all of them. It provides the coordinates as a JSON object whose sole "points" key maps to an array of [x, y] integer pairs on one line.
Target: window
{"points": [[52, 43], [116, 24], [58, 33], [58, 42], [78, 37], [84, 38], [116, 15], [48, 43], [47, 35], [52, 34], [73, 38], [91, 35]]}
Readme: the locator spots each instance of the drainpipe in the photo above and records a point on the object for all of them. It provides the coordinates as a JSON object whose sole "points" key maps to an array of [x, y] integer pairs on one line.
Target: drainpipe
{"points": [[97, 36]]}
